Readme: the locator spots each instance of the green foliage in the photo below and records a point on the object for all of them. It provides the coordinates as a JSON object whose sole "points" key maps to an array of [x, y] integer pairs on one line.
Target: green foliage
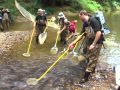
{"points": [[10, 5], [111, 5], [50, 5], [90, 5], [50, 10]]}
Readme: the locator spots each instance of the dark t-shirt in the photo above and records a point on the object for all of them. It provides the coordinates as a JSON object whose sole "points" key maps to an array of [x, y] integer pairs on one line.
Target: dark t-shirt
{"points": [[41, 20], [85, 24], [94, 23]]}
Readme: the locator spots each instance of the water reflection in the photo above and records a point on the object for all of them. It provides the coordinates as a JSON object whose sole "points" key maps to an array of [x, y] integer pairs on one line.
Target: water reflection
{"points": [[113, 39]]}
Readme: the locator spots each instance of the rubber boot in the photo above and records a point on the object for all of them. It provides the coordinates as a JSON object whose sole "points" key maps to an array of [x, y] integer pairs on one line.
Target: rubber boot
{"points": [[86, 77]]}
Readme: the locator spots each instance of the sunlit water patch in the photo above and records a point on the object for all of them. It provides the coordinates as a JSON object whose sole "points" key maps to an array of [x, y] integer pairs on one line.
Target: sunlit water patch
{"points": [[112, 51]]}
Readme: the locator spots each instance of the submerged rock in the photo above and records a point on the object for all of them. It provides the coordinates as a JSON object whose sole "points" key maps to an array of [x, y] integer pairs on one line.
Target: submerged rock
{"points": [[20, 85]]}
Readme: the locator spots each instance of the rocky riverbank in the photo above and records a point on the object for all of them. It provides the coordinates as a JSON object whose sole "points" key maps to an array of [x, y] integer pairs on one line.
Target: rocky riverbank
{"points": [[8, 40]]}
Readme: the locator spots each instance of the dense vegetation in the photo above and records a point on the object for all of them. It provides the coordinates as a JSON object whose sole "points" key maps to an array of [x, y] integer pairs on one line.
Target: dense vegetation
{"points": [[55, 5]]}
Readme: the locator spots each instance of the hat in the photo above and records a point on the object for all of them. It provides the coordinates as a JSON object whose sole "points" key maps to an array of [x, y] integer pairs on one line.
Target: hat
{"points": [[39, 11], [61, 15], [7, 10], [43, 10]]}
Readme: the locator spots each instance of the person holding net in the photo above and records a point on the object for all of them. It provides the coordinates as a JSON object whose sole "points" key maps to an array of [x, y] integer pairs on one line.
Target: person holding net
{"points": [[41, 21], [92, 44]]}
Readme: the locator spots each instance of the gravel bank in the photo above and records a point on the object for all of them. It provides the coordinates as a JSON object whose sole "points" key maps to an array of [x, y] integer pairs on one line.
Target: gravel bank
{"points": [[10, 39]]}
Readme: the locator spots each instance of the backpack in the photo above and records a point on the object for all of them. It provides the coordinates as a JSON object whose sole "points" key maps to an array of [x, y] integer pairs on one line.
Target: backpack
{"points": [[72, 26], [100, 17]]}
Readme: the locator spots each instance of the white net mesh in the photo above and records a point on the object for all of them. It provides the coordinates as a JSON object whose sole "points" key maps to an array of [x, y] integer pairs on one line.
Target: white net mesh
{"points": [[24, 12]]}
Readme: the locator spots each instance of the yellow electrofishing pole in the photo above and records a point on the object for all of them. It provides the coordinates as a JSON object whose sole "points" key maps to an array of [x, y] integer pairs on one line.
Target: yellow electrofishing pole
{"points": [[54, 49], [34, 81], [27, 54]]}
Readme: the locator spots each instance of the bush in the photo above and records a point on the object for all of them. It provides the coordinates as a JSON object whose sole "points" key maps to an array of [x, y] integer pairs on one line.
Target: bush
{"points": [[50, 10]]}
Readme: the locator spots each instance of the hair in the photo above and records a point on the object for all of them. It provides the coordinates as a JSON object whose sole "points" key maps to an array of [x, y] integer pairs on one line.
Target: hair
{"points": [[84, 12]]}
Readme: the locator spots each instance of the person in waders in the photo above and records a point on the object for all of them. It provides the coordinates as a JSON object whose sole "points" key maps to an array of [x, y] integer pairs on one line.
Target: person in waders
{"points": [[64, 32], [5, 20], [61, 18], [41, 21], [92, 43]]}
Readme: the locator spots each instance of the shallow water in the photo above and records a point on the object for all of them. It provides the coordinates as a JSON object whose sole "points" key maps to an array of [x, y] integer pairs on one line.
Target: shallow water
{"points": [[113, 39], [16, 69]]}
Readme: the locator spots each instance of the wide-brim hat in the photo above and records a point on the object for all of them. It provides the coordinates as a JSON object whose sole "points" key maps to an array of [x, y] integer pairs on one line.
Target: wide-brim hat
{"points": [[61, 15], [43, 10], [7, 10], [40, 10]]}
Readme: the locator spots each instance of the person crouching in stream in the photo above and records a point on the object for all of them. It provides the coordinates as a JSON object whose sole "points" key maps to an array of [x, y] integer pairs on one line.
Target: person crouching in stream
{"points": [[41, 22], [72, 29]]}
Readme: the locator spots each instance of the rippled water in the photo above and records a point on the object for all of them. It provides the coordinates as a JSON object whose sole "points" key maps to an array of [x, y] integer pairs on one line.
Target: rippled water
{"points": [[113, 40], [16, 69]]}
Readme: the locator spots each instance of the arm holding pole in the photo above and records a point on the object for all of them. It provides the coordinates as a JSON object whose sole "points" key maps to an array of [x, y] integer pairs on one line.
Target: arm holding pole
{"points": [[76, 40]]}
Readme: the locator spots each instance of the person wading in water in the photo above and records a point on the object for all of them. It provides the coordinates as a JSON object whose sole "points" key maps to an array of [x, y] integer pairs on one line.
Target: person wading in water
{"points": [[41, 21], [92, 44]]}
